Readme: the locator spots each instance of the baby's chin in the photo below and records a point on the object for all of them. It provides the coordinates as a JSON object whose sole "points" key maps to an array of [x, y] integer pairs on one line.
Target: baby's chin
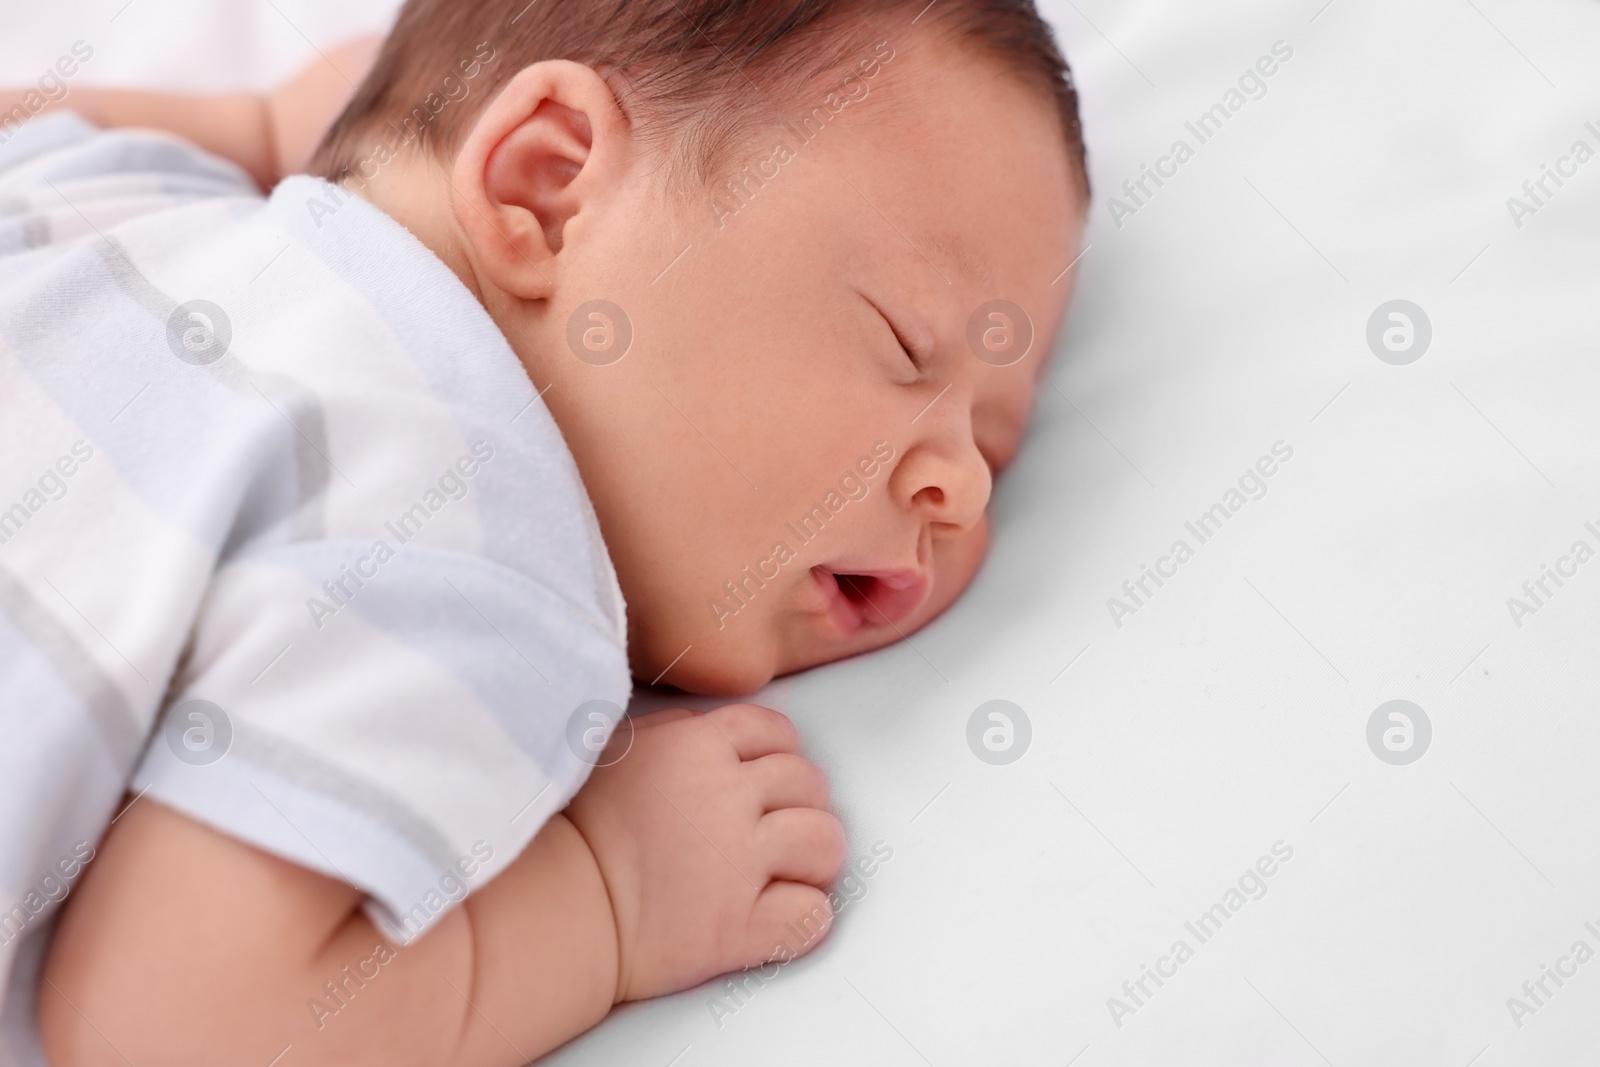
{"points": [[739, 674], [718, 678]]}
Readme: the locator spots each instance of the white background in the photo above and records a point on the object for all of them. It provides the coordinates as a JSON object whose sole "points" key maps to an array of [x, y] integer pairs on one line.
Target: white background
{"points": [[1229, 313]]}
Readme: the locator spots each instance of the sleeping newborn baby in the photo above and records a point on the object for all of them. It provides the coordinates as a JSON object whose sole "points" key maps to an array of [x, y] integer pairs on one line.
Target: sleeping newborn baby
{"points": [[675, 341]]}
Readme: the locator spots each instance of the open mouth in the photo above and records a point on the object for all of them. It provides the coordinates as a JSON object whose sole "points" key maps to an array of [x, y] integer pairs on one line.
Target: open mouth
{"points": [[876, 598]]}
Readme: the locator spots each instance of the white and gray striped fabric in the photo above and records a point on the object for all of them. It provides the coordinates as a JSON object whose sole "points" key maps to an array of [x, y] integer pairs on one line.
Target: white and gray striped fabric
{"points": [[287, 540]]}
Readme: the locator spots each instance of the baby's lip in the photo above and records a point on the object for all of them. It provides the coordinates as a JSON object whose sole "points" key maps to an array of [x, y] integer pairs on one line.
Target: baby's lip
{"points": [[857, 599]]}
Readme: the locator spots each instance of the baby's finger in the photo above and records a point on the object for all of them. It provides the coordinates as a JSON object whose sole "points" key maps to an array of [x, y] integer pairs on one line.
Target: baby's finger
{"points": [[754, 731], [789, 920], [784, 780], [801, 845]]}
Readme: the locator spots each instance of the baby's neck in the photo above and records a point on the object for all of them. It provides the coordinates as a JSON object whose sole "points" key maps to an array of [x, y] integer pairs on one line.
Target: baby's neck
{"points": [[416, 193]]}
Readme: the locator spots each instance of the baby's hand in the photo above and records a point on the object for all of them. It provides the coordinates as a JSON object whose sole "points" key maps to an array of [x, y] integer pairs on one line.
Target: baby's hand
{"points": [[714, 840]]}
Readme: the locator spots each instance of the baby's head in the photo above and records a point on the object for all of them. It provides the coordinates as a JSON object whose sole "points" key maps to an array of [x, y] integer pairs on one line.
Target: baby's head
{"points": [[787, 271]]}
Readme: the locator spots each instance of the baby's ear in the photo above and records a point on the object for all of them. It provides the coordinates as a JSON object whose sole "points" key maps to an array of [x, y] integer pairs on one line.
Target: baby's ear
{"points": [[543, 151]]}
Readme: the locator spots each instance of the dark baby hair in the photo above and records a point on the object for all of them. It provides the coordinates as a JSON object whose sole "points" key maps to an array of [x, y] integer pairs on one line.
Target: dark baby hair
{"points": [[698, 75]]}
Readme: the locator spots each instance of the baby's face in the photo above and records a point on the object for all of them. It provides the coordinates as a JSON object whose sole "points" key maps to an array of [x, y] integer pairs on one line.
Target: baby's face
{"points": [[793, 460]]}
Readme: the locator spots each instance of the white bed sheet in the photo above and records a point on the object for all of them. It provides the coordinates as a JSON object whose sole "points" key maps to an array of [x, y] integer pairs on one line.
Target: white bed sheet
{"points": [[1230, 711]]}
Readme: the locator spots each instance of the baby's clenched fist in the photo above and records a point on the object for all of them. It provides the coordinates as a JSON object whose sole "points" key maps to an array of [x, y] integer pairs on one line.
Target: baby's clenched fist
{"points": [[714, 840]]}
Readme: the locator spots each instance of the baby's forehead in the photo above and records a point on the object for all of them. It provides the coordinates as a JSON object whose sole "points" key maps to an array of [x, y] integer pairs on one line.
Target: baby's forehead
{"points": [[972, 171]]}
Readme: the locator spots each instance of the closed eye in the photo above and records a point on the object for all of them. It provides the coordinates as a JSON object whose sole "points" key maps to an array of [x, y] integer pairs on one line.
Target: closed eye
{"points": [[907, 350], [910, 355], [901, 341]]}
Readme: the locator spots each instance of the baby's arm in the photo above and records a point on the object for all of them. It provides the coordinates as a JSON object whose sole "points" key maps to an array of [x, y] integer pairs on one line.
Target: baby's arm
{"points": [[187, 947], [684, 860], [268, 135]]}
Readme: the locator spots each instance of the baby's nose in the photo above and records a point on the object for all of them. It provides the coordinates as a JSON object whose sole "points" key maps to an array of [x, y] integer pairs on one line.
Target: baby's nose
{"points": [[946, 480]]}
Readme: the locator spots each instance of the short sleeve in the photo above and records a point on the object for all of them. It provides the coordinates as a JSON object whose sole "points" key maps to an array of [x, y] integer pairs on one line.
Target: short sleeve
{"points": [[405, 732], [410, 599]]}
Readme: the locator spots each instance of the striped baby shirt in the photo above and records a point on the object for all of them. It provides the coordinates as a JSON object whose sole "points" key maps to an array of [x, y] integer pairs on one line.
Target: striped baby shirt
{"points": [[288, 542]]}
